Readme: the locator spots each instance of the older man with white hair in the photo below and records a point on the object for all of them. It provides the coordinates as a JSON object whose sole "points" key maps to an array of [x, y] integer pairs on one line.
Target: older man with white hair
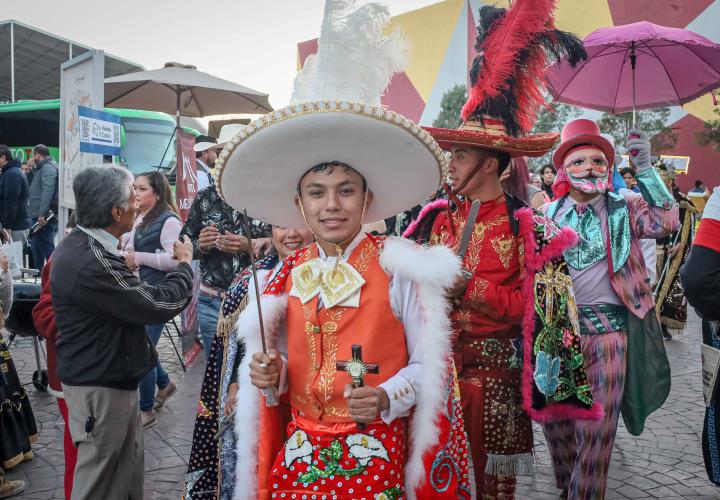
{"points": [[102, 352]]}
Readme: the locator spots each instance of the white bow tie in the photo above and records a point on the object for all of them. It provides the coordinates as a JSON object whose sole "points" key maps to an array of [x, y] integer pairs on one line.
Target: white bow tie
{"points": [[336, 285]]}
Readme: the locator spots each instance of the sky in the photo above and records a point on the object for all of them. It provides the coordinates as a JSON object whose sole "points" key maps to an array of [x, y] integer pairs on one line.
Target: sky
{"points": [[252, 43]]}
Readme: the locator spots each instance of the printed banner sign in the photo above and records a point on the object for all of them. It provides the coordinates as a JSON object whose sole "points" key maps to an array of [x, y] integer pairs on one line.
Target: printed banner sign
{"points": [[99, 132], [186, 171], [81, 86]]}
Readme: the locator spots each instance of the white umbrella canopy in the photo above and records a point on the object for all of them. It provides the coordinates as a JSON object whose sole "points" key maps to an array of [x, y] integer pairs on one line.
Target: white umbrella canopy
{"points": [[183, 90]]}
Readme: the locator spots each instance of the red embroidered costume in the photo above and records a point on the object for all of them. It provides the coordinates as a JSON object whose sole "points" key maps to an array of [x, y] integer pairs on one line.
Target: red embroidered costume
{"points": [[516, 346]]}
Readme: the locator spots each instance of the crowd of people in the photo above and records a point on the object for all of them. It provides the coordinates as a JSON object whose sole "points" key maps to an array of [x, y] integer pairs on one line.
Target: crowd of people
{"points": [[392, 319]]}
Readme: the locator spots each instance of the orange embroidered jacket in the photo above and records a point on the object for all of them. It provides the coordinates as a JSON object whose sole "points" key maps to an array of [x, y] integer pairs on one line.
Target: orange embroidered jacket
{"points": [[315, 385], [435, 438]]}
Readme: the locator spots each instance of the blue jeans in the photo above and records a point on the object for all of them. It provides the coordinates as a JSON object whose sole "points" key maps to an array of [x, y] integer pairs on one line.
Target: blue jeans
{"points": [[208, 312], [155, 376], [42, 243]]}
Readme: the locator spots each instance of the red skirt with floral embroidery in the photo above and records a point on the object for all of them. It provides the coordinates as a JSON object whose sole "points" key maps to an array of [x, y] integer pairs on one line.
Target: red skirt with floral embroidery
{"points": [[341, 462]]}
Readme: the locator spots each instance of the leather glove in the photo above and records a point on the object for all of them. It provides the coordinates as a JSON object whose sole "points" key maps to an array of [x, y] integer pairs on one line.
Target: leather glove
{"points": [[639, 142]]}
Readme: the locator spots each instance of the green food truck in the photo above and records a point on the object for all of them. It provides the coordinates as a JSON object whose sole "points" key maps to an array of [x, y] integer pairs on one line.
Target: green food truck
{"points": [[144, 134]]}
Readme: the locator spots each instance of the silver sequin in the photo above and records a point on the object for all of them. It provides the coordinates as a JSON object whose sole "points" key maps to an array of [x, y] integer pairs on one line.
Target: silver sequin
{"points": [[591, 244]]}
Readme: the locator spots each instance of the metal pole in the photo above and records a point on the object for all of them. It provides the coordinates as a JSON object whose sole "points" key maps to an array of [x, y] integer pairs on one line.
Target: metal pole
{"points": [[12, 62], [177, 109], [167, 147], [271, 393], [177, 126], [633, 62]]}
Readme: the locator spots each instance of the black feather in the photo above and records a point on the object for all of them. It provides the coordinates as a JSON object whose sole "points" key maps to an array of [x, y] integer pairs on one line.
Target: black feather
{"points": [[558, 45]]}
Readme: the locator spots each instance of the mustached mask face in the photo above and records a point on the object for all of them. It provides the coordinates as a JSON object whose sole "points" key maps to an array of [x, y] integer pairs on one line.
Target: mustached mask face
{"points": [[587, 169]]}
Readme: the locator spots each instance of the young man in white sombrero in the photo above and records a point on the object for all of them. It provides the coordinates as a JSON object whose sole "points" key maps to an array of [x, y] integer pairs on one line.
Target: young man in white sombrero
{"points": [[517, 346], [382, 421]]}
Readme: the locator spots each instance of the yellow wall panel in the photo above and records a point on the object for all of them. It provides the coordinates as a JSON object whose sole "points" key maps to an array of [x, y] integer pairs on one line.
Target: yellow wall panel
{"points": [[429, 30], [582, 17], [702, 108]]}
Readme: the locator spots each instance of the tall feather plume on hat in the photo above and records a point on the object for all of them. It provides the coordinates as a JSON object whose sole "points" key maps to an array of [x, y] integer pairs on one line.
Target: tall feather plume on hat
{"points": [[513, 49], [354, 61]]}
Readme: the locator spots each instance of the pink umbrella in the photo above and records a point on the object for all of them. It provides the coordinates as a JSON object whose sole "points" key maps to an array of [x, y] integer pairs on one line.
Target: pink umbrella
{"points": [[638, 66]]}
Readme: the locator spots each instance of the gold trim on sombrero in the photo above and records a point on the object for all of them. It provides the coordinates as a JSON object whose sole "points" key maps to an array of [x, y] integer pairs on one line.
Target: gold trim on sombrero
{"points": [[294, 110], [531, 145]]}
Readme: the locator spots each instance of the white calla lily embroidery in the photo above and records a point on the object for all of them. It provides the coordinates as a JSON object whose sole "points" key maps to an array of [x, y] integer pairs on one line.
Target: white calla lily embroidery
{"points": [[298, 447], [363, 448]]}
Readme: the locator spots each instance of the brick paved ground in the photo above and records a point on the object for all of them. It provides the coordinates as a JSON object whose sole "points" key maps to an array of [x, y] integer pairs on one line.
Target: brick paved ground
{"points": [[664, 462]]}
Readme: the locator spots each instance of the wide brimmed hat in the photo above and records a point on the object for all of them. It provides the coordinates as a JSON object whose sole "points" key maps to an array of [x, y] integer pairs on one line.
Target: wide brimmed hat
{"points": [[579, 132], [490, 133], [513, 49], [260, 168], [336, 116], [204, 142], [228, 131]]}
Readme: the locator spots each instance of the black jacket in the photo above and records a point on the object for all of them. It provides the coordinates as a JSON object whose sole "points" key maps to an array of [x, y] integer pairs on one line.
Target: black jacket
{"points": [[217, 268], [101, 309], [14, 198], [700, 276]]}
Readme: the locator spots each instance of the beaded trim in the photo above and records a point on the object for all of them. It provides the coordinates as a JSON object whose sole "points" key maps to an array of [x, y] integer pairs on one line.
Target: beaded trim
{"points": [[539, 143], [379, 113]]}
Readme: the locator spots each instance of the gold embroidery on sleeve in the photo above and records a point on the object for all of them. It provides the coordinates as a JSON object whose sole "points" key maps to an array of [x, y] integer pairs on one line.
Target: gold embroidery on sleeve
{"points": [[504, 247]]}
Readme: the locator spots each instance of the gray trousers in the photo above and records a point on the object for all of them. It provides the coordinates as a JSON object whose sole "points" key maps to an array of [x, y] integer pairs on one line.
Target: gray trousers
{"points": [[110, 460], [20, 235]]}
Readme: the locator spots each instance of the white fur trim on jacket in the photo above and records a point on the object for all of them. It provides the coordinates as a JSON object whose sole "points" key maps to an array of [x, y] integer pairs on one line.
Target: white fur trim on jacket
{"points": [[248, 396], [433, 270]]}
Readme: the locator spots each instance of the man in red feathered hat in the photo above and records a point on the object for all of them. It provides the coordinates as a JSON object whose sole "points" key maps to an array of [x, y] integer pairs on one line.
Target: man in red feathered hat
{"points": [[622, 341], [517, 346]]}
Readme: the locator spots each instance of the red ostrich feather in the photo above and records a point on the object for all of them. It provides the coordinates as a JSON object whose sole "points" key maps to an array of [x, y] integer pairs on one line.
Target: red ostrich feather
{"points": [[518, 29], [528, 94]]}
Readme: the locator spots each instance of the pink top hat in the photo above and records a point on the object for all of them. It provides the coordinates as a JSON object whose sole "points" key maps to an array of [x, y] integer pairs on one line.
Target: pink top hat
{"points": [[580, 132]]}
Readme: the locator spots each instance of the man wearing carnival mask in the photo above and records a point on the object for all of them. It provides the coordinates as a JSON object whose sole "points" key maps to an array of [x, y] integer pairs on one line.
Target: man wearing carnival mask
{"points": [[622, 342]]}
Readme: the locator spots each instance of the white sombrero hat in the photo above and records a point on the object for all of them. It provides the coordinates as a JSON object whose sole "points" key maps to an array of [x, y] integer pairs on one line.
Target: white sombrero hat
{"points": [[228, 131], [336, 116]]}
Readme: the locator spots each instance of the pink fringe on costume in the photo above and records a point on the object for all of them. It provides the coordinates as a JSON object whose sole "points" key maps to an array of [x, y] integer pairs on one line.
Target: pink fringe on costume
{"points": [[534, 262], [566, 238], [441, 203]]}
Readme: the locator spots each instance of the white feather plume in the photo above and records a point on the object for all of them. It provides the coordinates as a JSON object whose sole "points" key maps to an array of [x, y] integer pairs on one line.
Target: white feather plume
{"points": [[354, 61]]}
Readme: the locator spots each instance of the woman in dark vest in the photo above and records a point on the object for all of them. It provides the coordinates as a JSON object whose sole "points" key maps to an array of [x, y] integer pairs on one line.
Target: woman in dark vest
{"points": [[148, 252]]}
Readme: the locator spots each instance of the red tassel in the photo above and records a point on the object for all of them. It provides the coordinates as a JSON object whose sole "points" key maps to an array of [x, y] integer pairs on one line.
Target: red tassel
{"points": [[519, 28]]}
